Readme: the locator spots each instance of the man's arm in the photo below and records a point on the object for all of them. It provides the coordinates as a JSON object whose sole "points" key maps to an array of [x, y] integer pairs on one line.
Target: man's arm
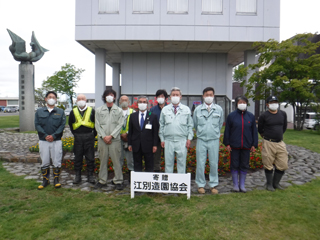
{"points": [[97, 125], [261, 125], [71, 120], [61, 127], [161, 129], [195, 120], [285, 124], [221, 119], [227, 129], [254, 133], [92, 118], [130, 131], [38, 126], [190, 127]]}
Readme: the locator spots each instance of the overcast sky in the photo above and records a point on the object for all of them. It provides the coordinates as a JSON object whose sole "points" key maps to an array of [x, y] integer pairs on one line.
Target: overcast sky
{"points": [[53, 22]]}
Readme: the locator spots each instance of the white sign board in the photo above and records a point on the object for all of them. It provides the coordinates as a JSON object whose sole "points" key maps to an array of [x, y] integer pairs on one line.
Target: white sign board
{"points": [[160, 183]]}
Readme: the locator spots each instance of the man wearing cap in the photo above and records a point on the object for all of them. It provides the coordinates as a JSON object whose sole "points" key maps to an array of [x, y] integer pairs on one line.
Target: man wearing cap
{"points": [[81, 123], [175, 132], [272, 125]]}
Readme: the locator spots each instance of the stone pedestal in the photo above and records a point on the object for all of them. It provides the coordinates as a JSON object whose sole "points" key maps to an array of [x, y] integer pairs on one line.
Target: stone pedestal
{"points": [[26, 97]]}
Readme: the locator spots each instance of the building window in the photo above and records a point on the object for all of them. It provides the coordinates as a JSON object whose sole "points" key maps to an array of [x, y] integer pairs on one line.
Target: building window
{"points": [[177, 6], [246, 7], [108, 6], [142, 6], [211, 6]]}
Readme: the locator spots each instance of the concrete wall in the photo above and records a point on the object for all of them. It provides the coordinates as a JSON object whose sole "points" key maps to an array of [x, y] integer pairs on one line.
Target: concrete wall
{"points": [[228, 26], [145, 73]]}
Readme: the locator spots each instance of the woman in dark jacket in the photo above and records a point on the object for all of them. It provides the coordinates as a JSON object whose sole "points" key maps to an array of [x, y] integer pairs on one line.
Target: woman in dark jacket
{"points": [[240, 137]]}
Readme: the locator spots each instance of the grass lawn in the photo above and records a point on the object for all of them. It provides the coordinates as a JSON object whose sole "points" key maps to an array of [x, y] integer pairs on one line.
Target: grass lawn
{"points": [[27, 213], [307, 138]]}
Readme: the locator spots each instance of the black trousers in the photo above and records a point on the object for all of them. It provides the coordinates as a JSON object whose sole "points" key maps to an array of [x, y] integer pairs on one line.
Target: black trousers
{"points": [[84, 146], [240, 159], [137, 161]]}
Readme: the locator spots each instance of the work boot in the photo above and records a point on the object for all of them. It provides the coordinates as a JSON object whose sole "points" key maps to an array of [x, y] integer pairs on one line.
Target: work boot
{"points": [[56, 174], [235, 175], [99, 185], [45, 178], [276, 179], [91, 178], [269, 177], [119, 186], [242, 180], [201, 190], [77, 178]]}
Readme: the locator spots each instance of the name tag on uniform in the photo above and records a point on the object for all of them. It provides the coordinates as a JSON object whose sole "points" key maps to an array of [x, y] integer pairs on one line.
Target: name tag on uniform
{"points": [[148, 126]]}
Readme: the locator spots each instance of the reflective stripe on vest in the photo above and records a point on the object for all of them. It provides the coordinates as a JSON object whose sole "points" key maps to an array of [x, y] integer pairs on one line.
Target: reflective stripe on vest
{"points": [[82, 121], [125, 130]]}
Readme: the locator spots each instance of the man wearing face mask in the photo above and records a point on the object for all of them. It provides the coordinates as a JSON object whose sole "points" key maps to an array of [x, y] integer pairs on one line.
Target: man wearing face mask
{"points": [[108, 122], [125, 153], [50, 122], [208, 119], [175, 132], [240, 137], [81, 123], [143, 136], [162, 97], [272, 124]]}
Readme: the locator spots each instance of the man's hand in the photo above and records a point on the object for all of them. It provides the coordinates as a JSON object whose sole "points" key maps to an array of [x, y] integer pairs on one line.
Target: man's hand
{"points": [[154, 149], [124, 137], [253, 149], [188, 143], [130, 148], [229, 148], [49, 138], [107, 139], [162, 144]]}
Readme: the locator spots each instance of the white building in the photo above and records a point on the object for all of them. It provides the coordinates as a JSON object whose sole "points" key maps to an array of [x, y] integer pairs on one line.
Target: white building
{"points": [[159, 44]]}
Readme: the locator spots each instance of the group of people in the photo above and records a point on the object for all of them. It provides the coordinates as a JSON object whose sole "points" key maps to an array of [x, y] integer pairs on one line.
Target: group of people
{"points": [[141, 135]]}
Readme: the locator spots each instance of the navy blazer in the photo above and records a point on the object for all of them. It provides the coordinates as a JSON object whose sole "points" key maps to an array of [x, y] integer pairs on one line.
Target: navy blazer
{"points": [[145, 138]]}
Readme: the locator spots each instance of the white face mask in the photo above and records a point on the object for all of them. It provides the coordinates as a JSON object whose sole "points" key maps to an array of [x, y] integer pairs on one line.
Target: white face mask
{"points": [[208, 100], [160, 100], [273, 106], [124, 104], [242, 106], [142, 106], [175, 100], [81, 103], [109, 99], [51, 101]]}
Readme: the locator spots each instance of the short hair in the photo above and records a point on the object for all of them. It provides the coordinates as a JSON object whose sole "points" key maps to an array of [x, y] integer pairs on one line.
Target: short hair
{"points": [[207, 89], [241, 98], [107, 92], [162, 91], [142, 97], [175, 89], [49, 92], [124, 96]]}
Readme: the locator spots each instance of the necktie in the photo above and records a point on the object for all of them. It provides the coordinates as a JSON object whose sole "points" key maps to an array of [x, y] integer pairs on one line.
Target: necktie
{"points": [[175, 109], [142, 121], [209, 108]]}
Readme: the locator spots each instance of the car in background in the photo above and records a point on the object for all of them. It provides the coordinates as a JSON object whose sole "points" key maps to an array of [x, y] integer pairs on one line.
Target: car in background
{"points": [[2, 108], [67, 111], [316, 126], [310, 121], [10, 109]]}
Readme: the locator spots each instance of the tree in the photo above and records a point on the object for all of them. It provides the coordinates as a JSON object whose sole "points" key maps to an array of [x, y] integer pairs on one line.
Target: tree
{"points": [[39, 95], [292, 67], [64, 81], [239, 74]]}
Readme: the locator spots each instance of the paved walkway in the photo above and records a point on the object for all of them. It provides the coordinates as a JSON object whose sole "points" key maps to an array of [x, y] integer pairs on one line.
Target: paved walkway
{"points": [[304, 166]]}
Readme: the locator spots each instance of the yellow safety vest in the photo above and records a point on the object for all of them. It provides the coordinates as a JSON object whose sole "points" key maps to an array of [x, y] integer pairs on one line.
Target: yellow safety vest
{"points": [[82, 121], [126, 129]]}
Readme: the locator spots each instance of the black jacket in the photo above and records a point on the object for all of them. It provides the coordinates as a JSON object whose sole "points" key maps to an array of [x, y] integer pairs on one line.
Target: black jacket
{"points": [[146, 138]]}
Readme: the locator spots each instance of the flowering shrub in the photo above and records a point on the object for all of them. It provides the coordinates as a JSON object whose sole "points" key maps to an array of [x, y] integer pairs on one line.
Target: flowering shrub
{"points": [[255, 161]]}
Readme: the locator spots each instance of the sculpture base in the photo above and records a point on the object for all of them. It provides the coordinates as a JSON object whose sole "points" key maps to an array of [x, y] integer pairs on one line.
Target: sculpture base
{"points": [[26, 97]]}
